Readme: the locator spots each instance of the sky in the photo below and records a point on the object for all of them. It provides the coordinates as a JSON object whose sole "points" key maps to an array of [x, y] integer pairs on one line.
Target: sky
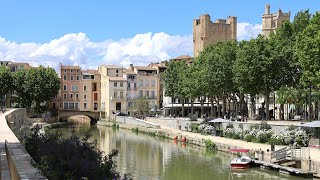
{"points": [[123, 32]]}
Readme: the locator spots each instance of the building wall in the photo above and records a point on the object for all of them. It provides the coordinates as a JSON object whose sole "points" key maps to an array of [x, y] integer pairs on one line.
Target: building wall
{"points": [[147, 87], [270, 22], [114, 99], [69, 79], [88, 102], [206, 32]]}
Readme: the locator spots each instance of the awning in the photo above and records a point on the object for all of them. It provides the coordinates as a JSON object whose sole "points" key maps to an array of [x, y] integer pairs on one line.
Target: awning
{"points": [[219, 120]]}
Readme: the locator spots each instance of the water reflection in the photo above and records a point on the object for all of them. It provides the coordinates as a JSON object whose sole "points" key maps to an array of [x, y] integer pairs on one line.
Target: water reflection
{"points": [[147, 157]]}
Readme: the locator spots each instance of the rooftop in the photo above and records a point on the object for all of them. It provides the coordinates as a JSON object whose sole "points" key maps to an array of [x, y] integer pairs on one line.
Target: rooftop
{"points": [[90, 71], [129, 71], [145, 68], [69, 67], [111, 66]]}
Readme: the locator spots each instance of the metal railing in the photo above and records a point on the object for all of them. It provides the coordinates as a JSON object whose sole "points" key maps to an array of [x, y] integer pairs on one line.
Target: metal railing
{"points": [[288, 152]]}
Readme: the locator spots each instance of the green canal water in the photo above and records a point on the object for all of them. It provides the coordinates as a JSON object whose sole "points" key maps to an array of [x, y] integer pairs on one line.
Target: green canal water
{"points": [[153, 158]]}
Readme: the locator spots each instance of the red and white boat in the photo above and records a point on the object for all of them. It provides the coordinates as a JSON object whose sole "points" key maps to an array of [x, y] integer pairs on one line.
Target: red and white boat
{"points": [[240, 162]]}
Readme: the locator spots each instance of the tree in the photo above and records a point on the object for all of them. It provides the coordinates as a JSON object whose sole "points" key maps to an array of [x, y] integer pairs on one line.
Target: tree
{"points": [[308, 51], [141, 106], [36, 86], [6, 81], [219, 59], [170, 81]]}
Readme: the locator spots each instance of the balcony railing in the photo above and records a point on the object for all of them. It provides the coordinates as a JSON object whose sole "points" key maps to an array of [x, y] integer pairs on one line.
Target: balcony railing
{"points": [[118, 98]]}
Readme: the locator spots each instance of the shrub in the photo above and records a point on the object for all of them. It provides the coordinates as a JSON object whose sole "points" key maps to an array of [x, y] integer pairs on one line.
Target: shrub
{"points": [[71, 158], [210, 145], [249, 138], [265, 125], [241, 126], [253, 126], [230, 125], [291, 128]]}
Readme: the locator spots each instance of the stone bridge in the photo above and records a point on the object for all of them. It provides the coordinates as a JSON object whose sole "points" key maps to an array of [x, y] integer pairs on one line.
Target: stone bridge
{"points": [[65, 114]]}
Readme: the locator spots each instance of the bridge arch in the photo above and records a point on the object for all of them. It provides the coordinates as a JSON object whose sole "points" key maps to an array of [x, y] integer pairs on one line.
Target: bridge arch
{"points": [[65, 114]]}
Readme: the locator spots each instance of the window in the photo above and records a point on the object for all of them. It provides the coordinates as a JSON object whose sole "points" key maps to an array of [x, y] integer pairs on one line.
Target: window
{"points": [[114, 94], [94, 87], [117, 71], [152, 94], [147, 82], [92, 76], [95, 96], [95, 106], [141, 83], [64, 96], [64, 87], [65, 77], [135, 85], [76, 105], [84, 96], [129, 85], [74, 88], [77, 96], [84, 88], [71, 96], [84, 105], [115, 84], [71, 105], [77, 71], [121, 84], [78, 77], [71, 71], [121, 94], [65, 105], [71, 78], [65, 71], [152, 104], [141, 93], [147, 93], [153, 83], [118, 106]]}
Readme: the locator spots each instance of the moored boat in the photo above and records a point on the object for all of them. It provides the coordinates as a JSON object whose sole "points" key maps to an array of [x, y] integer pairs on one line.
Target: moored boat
{"points": [[240, 162]]}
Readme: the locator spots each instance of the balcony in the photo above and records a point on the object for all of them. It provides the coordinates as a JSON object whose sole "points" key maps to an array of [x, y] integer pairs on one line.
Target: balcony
{"points": [[118, 98], [151, 97]]}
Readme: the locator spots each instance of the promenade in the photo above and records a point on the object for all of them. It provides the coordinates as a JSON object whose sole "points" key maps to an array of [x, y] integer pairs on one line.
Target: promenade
{"points": [[172, 124]]}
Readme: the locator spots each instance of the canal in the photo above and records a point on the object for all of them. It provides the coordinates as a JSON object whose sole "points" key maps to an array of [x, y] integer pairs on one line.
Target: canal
{"points": [[152, 158]]}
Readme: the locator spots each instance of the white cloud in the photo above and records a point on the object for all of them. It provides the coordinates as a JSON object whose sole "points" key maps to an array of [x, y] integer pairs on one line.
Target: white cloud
{"points": [[246, 31], [78, 49]]}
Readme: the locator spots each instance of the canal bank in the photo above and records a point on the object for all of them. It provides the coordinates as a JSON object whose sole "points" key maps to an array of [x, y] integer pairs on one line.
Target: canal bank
{"points": [[261, 151]]}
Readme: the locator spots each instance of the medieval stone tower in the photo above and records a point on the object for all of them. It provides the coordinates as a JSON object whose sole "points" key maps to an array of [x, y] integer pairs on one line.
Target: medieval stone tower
{"points": [[206, 32], [270, 22]]}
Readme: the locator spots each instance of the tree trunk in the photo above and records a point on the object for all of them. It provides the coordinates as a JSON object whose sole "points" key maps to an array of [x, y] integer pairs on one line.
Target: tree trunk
{"points": [[218, 106], [182, 105], [253, 107], [192, 109], [212, 107], [223, 106], [267, 105], [202, 110]]}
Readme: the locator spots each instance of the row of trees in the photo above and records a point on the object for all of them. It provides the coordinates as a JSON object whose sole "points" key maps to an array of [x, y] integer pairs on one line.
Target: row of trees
{"points": [[287, 62], [31, 88]]}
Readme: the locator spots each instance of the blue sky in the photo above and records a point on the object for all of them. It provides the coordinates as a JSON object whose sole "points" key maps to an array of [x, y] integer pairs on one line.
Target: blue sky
{"points": [[89, 33]]}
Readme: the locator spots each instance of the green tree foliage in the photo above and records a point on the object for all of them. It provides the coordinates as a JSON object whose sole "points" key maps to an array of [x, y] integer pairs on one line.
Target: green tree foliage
{"points": [[218, 60], [141, 106], [36, 86], [6, 81], [70, 158], [308, 51]]}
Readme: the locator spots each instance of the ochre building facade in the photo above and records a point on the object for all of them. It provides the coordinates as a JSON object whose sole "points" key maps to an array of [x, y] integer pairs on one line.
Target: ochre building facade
{"points": [[270, 22]]}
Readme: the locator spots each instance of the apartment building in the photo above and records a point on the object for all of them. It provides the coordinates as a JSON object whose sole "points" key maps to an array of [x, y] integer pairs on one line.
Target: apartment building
{"points": [[70, 87], [113, 89], [90, 88], [161, 68], [132, 93], [147, 84]]}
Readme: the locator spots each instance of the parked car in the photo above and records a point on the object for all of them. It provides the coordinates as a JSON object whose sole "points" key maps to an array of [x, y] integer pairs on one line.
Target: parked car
{"points": [[121, 114]]}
